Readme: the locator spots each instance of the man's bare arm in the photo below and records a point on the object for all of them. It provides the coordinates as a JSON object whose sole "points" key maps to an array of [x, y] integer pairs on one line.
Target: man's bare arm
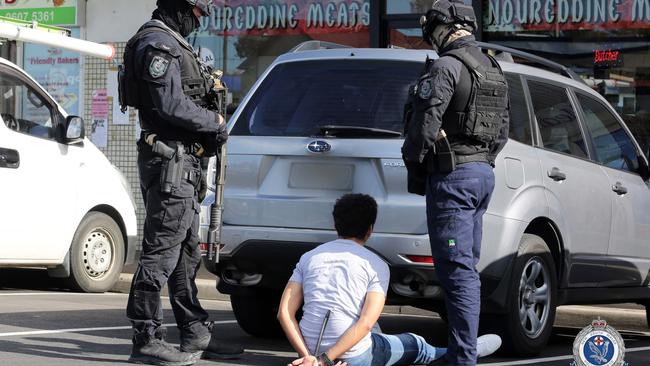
{"points": [[291, 301]]}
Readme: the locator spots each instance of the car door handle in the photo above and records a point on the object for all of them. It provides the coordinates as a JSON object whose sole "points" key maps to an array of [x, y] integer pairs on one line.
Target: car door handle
{"points": [[9, 158], [556, 174], [619, 189]]}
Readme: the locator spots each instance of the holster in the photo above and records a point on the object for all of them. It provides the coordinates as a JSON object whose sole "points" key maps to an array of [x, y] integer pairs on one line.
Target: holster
{"points": [[443, 161], [416, 175], [171, 173]]}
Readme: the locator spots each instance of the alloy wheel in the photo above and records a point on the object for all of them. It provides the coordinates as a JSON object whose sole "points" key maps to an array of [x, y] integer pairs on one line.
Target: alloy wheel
{"points": [[534, 297]]}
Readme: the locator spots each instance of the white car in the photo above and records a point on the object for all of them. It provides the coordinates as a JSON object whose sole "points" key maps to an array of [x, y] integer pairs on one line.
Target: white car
{"points": [[63, 206]]}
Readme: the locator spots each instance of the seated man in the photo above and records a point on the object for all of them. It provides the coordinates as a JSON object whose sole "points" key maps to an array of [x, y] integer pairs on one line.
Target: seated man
{"points": [[350, 281]]}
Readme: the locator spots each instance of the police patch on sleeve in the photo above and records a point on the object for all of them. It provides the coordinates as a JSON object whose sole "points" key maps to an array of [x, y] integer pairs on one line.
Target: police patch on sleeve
{"points": [[158, 66], [425, 89]]}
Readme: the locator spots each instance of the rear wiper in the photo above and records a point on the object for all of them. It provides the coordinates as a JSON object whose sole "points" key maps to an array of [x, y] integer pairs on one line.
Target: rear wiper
{"points": [[354, 131]]}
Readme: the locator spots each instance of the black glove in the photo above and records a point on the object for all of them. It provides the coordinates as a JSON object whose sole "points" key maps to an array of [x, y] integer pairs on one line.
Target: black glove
{"points": [[222, 134], [211, 142]]}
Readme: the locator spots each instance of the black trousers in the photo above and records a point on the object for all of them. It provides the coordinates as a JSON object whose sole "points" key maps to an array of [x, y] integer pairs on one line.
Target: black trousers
{"points": [[170, 253]]}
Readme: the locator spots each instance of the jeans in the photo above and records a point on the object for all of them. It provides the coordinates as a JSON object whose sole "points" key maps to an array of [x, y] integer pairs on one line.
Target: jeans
{"points": [[400, 349], [456, 203]]}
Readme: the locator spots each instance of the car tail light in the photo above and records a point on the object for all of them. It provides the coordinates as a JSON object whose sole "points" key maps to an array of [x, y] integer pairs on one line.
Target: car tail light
{"points": [[422, 259]]}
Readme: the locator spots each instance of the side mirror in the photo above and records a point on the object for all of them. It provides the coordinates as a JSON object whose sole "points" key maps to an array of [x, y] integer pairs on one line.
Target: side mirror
{"points": [[74, 130]]}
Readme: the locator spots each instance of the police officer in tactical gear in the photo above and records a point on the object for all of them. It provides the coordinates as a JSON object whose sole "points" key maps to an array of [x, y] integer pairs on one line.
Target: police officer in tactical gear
{"points": [[456, 122], [165, 80]]}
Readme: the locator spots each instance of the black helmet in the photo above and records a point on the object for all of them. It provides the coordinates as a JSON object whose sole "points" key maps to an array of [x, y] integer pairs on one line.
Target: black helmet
{"points": [[447, 12], [204, 5]]}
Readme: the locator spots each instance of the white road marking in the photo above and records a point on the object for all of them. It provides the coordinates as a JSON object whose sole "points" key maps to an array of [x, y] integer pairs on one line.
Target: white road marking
{"points": [[78, 330], [551, 359]]}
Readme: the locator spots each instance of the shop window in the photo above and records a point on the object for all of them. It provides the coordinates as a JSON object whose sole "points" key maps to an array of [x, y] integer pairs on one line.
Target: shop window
{"points": [[613, 147], [410, 38], [411, 6], [243, 37], [519, 117], [556, 119]]}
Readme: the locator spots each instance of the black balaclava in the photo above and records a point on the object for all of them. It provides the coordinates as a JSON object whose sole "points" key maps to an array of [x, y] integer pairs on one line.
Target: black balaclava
{"points": [[178, 15]]}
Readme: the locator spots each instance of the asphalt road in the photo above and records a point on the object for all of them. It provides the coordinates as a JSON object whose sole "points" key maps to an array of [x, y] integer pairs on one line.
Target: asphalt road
{"points": [[43, 324]]}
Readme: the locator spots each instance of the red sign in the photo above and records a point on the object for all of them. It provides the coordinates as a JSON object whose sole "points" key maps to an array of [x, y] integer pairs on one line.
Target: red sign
{"points": [[607, 57], [291, 17], [540, 15]]}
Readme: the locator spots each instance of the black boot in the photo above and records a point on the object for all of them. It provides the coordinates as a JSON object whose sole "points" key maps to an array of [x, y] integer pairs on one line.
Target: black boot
{"points": [[151, 349], [197, 339]]}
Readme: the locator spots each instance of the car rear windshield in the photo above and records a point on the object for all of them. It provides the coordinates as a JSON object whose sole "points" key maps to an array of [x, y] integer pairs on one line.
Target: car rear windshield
{"points": [[299, 98]]}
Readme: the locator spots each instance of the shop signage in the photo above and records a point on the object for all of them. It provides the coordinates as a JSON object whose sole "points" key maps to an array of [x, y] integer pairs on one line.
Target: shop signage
{"points": [[608, 58], [55, 12], [539, 15], [269, 17]]}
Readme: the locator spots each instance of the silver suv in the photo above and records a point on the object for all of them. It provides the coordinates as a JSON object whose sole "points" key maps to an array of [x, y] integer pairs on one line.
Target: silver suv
{"points": [[569, 220]]}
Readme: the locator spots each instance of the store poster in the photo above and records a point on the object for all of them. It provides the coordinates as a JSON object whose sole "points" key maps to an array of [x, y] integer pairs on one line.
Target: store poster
{"points": [[99, 106], [58, 71], [53, 12], [99, 132]]}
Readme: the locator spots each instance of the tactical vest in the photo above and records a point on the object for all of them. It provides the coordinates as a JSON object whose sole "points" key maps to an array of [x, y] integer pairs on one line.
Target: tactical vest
{"points": [[478, 107], [195, 76]]}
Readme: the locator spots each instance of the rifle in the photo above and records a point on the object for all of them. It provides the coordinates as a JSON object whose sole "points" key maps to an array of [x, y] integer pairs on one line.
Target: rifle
{"points": [[216, 100]]}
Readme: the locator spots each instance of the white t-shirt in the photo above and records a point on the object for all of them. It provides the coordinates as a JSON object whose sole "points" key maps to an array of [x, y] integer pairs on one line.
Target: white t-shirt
{"points": [[337, 276]]}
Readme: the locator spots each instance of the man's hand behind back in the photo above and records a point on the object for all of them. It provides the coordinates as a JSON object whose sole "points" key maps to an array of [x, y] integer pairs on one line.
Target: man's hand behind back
{"points": [[311, 361]]}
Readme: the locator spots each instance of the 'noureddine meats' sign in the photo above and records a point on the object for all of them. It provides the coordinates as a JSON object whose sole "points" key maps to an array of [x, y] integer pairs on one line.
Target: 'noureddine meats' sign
{"points": [[539, 15], [270, 17]]}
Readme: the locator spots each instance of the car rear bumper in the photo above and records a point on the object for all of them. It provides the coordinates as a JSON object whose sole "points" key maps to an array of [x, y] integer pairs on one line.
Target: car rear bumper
{"points": [[257, 257]]}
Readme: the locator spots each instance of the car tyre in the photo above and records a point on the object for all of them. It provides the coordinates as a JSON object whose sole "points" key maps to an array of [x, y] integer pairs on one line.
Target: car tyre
{"points": [[528, 324], [647, 313], [96, 254], [256, 313]]}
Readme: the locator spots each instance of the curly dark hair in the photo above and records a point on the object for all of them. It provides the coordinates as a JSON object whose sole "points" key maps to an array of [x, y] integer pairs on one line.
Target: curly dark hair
{"points": [[354, 214]]}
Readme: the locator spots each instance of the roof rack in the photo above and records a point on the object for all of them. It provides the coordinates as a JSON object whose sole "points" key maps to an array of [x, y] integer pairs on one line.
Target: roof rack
{"points": [[561, 69], [317, 45]]}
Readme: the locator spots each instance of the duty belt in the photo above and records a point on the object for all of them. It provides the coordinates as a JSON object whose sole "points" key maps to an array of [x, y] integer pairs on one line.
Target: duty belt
{"points": [[432, 165], [191, 148]]}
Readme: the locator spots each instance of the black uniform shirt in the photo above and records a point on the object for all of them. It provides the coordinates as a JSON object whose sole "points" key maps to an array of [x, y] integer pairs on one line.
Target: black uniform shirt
{"points": [[174, 115], [435, 95]]}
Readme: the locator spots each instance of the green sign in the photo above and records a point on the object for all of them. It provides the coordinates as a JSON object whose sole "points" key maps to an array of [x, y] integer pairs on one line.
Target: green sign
{"points": [[60, 12]]}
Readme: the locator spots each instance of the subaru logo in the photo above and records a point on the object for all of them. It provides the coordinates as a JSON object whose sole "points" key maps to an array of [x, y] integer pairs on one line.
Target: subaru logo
{"points": [[319, 147]]}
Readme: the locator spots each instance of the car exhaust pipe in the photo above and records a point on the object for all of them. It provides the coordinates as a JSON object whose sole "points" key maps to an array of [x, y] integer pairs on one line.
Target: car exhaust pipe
{"points": [[236, 277], [414, 285]]}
